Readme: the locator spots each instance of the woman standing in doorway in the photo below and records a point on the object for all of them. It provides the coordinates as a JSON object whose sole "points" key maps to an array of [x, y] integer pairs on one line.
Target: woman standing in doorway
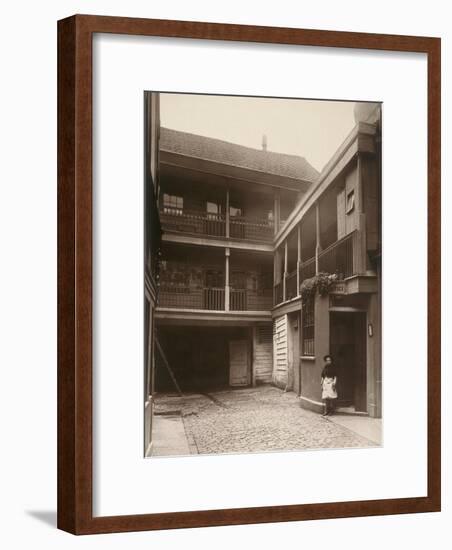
{"points": [[328, 384]]}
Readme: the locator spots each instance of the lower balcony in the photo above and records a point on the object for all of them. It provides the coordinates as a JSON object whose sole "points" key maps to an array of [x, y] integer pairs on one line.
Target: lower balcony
{"points": [[214, 299]]}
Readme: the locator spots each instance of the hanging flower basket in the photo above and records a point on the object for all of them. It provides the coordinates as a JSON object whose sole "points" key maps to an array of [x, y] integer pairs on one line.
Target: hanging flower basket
{"points": [[320, 283]]}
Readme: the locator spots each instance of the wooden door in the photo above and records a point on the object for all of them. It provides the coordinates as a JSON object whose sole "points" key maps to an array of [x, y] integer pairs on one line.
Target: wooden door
{"points": [[348, 348], [239, 363], [360, 396]]}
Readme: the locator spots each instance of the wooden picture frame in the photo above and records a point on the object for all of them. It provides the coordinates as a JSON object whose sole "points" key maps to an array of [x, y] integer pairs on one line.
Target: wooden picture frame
{"points": [[75, 225]]}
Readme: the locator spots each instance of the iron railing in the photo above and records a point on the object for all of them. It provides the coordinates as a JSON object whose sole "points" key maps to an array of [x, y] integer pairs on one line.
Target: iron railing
{"points": [[338, 257]]}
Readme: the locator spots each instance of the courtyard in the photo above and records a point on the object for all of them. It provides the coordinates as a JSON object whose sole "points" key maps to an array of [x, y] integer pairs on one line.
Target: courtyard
{"points": [[258, 419]]}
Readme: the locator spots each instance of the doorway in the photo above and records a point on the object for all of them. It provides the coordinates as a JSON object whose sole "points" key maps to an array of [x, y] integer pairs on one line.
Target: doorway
{"points": [[348, 349], [239, 363]]}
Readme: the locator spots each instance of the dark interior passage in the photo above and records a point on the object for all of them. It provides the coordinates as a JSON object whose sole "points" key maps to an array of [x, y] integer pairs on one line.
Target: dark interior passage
{"points": [[198, 357], [348, 349]]}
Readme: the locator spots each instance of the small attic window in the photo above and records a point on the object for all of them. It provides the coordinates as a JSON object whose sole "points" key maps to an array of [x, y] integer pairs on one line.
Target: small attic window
{"points": [[350, 205]]}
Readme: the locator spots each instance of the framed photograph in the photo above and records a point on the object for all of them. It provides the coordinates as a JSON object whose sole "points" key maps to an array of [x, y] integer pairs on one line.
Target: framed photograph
{"points": [[248, 274]]}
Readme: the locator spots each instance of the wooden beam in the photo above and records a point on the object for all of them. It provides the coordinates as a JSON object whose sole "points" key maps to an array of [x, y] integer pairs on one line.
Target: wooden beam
{"points": [[167, 365], [277, 212], [285, 269], [318, 246], [215, 242], [227, 293], [298, 257], [227, 214]]}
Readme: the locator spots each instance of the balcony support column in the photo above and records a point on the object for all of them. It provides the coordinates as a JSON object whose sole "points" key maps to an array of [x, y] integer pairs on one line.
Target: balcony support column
{"points": [[227, 214], [285, 270], [318, 246], [277, 212], [227, 253], [360, 248], [298, 257]]}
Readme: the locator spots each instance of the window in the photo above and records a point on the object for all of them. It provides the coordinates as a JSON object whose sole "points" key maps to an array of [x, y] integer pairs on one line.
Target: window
{"points": [[238, 279], [214, 279], [350, 202], [308, 328], [213, 210], [173, 204], [233, 211]]}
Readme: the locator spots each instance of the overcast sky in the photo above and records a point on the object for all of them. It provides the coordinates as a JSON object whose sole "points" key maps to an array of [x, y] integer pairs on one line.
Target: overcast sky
{"points": [[311, 129]]}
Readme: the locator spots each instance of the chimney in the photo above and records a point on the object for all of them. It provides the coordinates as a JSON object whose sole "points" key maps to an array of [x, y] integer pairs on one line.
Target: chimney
{"points": [[264, 142]]}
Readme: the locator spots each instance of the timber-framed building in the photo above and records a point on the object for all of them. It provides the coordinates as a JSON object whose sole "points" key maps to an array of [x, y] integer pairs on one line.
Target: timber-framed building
{"points": [[244, 231]]}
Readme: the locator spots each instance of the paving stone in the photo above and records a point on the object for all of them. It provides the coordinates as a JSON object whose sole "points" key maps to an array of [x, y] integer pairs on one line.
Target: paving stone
{"points": [[255, 420]]}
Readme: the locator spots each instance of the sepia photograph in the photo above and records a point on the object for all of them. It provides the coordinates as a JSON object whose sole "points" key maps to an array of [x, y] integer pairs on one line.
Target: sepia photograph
{"points": [[262, 274]]}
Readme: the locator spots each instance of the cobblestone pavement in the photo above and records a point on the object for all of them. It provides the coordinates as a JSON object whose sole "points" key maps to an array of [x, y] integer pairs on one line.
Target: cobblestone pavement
{"points": [[254, 420]]}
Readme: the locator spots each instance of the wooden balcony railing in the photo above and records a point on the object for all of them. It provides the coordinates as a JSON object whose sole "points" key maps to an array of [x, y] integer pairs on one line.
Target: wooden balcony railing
{"points": [[213, 299], [251, 229], [307, 269], [194, 222], [238, 301], [215, 225], [291, 285], [338, 257], [278, 293]]}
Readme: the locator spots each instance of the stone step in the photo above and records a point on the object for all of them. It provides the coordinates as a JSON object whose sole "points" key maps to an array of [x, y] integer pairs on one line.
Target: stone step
{"points": [[350, 411]]}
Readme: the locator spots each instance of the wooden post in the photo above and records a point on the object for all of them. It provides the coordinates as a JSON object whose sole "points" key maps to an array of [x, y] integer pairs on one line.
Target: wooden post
{"points": [[275, 273], [253, 362], [360, 248], [277, 212], [318, 246], [298, 257], [285, 270], [227, 214], [227, 253]]}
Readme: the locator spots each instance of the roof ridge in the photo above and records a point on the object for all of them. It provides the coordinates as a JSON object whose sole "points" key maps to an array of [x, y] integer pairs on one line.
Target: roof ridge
{"points": [[235, 144], [218, 150]]}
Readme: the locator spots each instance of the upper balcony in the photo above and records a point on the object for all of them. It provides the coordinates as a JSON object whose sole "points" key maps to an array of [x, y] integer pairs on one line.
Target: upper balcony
{"points": [[336, 229], [342, 258], [217, 225]]}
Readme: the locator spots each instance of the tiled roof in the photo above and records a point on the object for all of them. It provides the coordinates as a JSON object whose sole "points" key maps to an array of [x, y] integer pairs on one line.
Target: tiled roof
{"points": [[217, 150]]}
